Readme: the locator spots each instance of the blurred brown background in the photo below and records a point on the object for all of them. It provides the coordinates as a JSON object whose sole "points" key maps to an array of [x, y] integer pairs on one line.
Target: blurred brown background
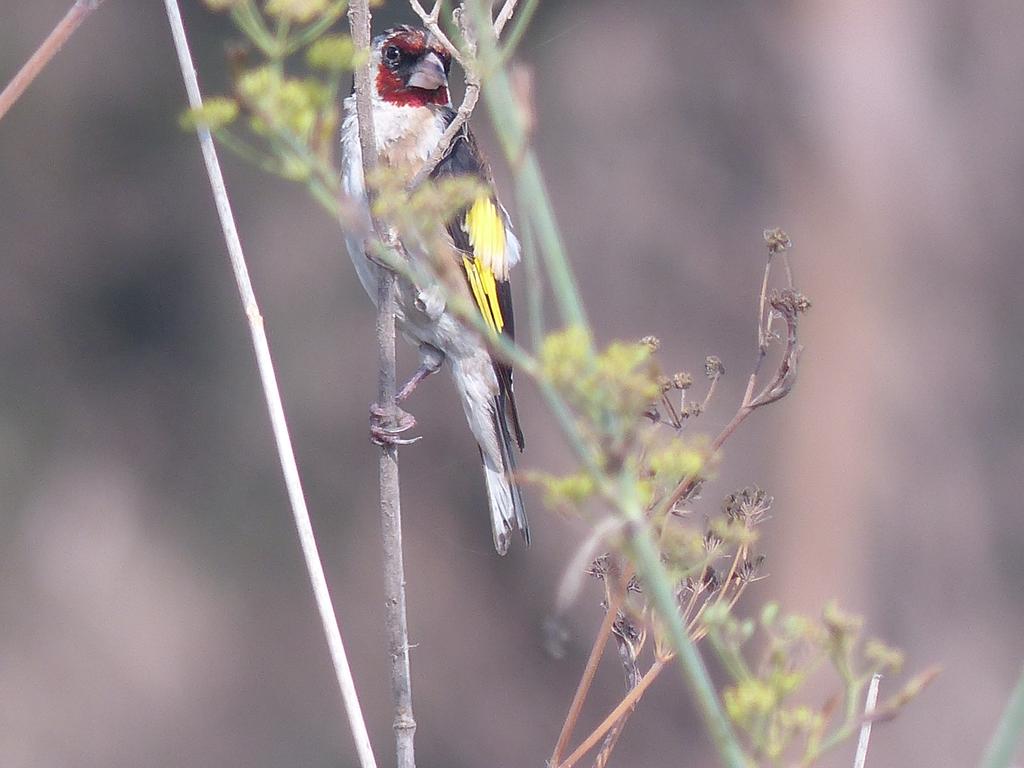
{"points": [[153, 605]]}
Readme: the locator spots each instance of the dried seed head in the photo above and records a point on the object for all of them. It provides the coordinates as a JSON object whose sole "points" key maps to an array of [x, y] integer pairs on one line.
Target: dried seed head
{"points": [[712, 580], [664, 384], [777, 240], [651, 341], [713, 367], [682, 380], [599, 568], [750, 570], [748, 505], [789, 303], [625, 629], [712, 541]]}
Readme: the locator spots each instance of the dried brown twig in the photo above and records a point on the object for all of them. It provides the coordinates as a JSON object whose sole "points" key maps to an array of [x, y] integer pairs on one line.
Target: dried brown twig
{"points": [[66, 27], [788, 304], [617, 715], [611, 727], [616, 597]]}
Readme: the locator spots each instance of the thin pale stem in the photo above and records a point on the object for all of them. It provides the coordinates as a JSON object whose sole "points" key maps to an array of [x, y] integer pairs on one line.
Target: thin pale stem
{"points": [[430, 24], [535, 286], [741, 553], [861, 757], [710, 394], [390, 502], [274, 406], [511, 126], [317, 28], [763, 323], [504, 16], [45, 52]]}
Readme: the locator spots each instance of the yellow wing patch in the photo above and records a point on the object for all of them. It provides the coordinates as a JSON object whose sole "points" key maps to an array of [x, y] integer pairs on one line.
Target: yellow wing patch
{"points": [[486, 230]]}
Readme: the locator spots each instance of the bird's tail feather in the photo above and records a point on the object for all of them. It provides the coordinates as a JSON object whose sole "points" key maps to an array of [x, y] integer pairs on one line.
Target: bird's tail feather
{"points": [[489, 419], [503, 494], [508, 456]]}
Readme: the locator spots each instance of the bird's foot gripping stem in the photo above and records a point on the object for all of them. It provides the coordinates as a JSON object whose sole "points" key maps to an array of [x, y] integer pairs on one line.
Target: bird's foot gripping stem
{"points": [[386, 431]]}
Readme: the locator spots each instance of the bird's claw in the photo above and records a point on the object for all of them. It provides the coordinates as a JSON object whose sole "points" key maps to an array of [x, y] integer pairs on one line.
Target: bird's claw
{"points": [[385, 431]]}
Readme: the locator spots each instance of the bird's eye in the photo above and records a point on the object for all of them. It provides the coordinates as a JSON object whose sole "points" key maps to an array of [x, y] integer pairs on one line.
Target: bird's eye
{"points": [[392, 54]]}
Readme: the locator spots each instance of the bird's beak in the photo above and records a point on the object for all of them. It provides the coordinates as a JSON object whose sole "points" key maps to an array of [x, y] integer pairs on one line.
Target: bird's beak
{"points": [[428, 73]]}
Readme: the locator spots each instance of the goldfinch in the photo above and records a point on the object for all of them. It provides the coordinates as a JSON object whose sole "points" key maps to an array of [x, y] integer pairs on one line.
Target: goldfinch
{"points": [[411, 109]]}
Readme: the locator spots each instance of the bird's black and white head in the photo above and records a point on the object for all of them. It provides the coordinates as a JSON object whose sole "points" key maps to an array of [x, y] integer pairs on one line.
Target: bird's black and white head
{"points": [[411, 68]]}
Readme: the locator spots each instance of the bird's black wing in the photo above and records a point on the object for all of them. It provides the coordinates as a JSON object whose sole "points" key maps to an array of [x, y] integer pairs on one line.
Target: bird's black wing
{"points": [[482, 233]]}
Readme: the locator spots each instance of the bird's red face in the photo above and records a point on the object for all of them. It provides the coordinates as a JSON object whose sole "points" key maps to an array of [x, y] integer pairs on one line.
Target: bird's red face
{"points": [[413, 69]]}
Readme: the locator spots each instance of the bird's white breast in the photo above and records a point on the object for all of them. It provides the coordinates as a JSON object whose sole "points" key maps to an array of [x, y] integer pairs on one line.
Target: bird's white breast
{"points": [[406, 136]]}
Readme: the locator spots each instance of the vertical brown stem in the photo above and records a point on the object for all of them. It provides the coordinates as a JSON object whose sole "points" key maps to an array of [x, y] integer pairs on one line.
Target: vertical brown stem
{"points": [[391, 521], [390, 504]]}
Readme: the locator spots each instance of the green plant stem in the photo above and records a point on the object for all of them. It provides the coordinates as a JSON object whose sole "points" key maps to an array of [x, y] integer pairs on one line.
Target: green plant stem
{"points": [[851, 722], [530, 186], [731, 659], [534, 284], [317, 28], [241, 148], [327, 199], [1007, 737], [510, 125], [248, 19]]}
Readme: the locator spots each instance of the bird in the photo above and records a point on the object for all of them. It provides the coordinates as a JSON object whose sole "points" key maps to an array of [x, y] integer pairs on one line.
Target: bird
{"points": [[411, 108]]}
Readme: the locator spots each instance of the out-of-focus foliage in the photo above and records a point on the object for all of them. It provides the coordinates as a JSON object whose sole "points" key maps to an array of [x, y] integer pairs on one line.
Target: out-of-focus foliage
{"points": [[283, 113], [769, 662]]}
